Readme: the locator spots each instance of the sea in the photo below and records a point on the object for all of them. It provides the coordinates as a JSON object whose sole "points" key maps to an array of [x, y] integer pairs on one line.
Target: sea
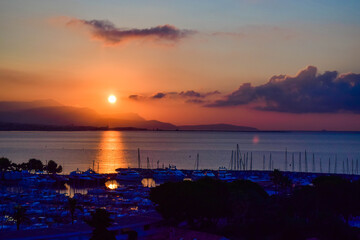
{"points": [[105, 151]]}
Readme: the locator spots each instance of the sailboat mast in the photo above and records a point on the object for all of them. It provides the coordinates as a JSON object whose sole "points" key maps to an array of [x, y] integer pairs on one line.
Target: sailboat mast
{"points": [[139, 164], [197, 161], [286, 159]]}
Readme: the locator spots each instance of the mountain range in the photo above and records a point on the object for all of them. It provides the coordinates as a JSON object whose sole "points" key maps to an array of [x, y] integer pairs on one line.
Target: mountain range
{"points": [[49, 113]]}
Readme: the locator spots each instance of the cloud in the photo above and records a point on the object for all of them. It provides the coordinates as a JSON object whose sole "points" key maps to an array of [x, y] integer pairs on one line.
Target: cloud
{"points": [[195, 101], [134, 97], [190, 93], [189, 96], [194, 94], [107, 32], [158, 95], [307, 92]]}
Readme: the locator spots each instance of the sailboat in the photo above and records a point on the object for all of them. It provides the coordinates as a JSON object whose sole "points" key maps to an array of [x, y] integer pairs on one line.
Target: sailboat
{"points": [[197, 174]]}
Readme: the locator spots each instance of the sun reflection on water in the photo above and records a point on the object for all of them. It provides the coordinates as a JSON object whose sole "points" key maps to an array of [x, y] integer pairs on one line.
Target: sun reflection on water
{"points": [[148, 182], [112, 184], [110, 155]]}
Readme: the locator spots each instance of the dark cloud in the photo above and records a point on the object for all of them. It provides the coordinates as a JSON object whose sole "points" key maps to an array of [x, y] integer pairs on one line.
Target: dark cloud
{"points": [[307, 92], [110, 34], [212, 93], [158, 95], [190, 93], [195, 101], [134, 97], [194, 94], [189, 96]]}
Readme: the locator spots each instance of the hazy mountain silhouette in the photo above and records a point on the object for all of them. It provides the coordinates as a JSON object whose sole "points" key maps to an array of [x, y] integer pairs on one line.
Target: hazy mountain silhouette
{"points": [[62, 115], [14, 106], [48, 112], [52, 113]]}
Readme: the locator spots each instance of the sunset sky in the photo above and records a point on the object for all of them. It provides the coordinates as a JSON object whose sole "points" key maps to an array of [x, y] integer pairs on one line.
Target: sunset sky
{"points": [[270, 64]]}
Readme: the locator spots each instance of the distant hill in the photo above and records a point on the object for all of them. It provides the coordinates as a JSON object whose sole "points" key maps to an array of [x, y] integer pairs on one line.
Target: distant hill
{"points": [[217, 127], [38, 127], [16, 106], [60, 116], [49, 114]]}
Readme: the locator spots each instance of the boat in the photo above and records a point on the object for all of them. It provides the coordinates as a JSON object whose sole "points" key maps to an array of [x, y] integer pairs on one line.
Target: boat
{"points": [[75, 174], [169, 174], [12, 175], [224, 175], [89, 175], [128, 175], [197, 175], [209, 174]]}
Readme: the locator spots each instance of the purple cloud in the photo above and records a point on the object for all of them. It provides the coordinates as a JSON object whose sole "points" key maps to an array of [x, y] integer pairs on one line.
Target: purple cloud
{"points": [[307, 92], [158, 95], [189, 96], [195, 101], [194, 94], [190, 93], [106, 31]]}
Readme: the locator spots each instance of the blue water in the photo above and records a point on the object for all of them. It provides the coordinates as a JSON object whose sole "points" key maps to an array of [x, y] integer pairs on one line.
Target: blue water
{"points": [[108, 150]]}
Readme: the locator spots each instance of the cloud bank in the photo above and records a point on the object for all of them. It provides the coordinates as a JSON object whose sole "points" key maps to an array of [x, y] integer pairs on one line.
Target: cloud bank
{"points": [[307, 92], [107, 32], [189, 96]]}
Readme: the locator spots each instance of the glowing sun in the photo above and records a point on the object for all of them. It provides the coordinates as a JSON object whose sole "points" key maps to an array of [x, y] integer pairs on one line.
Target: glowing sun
{"points": [[112, 99]]}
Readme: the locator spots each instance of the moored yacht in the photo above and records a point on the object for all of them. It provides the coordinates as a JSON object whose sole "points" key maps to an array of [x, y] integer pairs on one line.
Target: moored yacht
{"points": [[167, 174], [197, 175], [209, 174], [224, 175], [128, 175]]}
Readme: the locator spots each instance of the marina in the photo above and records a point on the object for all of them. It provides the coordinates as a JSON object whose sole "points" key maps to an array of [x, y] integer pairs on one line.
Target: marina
{"points": [[123, 194]]}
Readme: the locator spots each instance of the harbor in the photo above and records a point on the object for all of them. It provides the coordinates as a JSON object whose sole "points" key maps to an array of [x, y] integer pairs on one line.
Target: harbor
{"points": [[123, 194]]}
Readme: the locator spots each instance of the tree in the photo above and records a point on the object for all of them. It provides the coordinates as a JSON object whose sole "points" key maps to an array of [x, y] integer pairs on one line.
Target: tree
{"points": [[100, 221], [53, 167], [201, 203], [247, 201], [72, 206], [336, 195], [4, 165], [280, 181], [19, 215], [35, 164]]}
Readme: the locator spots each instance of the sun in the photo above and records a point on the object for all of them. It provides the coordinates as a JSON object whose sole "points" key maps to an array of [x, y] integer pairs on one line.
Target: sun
{"points": [[112, 99]]}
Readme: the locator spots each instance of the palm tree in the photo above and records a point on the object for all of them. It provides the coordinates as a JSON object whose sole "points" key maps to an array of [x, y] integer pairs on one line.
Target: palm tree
{"points": [[19, 215], [72, 206], [100, 221]]}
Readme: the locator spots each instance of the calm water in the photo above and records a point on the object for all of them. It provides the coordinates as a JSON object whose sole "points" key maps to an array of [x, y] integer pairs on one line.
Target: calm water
{"points": [[109, 150]]}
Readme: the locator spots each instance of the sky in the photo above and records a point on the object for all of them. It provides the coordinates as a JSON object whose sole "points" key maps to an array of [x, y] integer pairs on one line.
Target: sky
{"points": [[270, 64]]}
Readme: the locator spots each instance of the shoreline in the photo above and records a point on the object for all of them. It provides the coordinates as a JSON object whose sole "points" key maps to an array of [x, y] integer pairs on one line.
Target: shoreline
{"points": [[161, 130]]}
